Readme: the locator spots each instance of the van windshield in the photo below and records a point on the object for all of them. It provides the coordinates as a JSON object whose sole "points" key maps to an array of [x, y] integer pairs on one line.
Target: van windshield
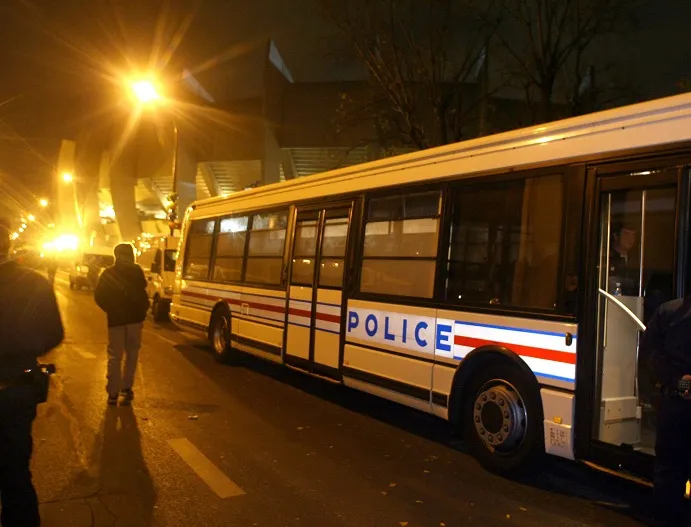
{"points": [[169, 259], [98, 260]]}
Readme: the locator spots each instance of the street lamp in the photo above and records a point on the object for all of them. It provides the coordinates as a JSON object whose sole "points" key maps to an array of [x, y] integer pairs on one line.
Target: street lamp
{"points": [[67, 177], [43, 202], [32, 217], [146, 93]]}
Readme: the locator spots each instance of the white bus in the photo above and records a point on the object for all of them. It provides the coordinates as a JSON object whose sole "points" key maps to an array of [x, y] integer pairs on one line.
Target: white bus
{"points": [[500, 283]]}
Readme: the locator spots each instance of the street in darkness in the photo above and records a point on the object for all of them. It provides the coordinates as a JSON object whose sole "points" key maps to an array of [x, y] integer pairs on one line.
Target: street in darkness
{"points": [[254, 444]]}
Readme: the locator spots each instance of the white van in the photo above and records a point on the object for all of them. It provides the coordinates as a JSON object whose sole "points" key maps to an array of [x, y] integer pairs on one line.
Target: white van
{"points": [[158, 264], [88, 265]]}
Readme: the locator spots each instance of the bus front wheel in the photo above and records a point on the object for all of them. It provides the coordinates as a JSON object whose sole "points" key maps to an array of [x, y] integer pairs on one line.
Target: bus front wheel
{"points": [[503, 423], [219, 334]]}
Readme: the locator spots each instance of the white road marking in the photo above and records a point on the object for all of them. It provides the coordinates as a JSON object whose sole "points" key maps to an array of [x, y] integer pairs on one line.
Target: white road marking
{"points": [[205, 469], [169, 341], [86, 354], [192, 335]]}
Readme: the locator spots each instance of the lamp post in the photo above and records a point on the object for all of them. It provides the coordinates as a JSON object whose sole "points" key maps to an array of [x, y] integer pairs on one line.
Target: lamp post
{"points": [[147, 95], [68, 179]]}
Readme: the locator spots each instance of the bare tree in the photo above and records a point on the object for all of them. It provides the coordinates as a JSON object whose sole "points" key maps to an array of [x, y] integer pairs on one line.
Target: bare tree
{"points": [[545, 40], [421, 58]]}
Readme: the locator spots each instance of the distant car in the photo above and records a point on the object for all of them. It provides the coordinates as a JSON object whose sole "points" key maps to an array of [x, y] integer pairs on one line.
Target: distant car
{"points": [[158, 264], [89, 266], [28, 257]]}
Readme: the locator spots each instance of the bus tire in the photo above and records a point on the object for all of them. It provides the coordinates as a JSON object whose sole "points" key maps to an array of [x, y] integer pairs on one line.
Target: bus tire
{"points": [[219, 334], [503, 419]]}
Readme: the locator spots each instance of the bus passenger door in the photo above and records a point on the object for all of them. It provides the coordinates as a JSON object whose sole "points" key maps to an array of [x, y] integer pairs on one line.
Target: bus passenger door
{"points": [[315, 300], [637, 272]]}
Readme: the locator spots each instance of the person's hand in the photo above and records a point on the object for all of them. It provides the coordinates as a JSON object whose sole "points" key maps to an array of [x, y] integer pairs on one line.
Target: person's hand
{"points": [[686, 395]]}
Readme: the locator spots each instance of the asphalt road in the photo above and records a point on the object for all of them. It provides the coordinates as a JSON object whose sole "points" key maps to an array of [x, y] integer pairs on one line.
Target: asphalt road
{"points": [[257, 445]]}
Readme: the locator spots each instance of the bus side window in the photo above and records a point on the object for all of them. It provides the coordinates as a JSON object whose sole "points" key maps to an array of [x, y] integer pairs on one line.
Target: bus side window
{"points": [[198, 255], [230, 249], [400, 245], [505, 243], [267, 237]]}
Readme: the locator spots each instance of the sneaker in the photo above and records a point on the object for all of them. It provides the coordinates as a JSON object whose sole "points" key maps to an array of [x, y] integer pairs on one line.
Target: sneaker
{"points": [[112, 400], [127, 396]]}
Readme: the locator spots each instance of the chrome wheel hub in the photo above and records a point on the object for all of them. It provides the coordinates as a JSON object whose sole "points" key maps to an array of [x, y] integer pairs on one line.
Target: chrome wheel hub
{"points": [[499, 416], [221, 331]]}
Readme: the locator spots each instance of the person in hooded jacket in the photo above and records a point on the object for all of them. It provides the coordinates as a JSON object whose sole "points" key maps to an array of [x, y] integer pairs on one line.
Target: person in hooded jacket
{"points": [[30, 326], [121, 293]]}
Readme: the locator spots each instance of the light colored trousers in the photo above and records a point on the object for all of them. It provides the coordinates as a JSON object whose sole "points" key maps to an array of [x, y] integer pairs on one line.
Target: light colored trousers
{"points": [[123, 341]]}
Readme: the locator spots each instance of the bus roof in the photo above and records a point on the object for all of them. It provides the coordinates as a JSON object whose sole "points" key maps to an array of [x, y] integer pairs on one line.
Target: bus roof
{"points": [[653, 123]]}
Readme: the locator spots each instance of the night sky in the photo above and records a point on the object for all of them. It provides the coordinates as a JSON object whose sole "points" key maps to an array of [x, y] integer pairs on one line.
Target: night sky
{"points": [[58, 58]]}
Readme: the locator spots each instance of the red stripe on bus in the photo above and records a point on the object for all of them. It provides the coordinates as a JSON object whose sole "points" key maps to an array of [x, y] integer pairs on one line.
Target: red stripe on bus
{"points": [[325, 317], [196, 295], [235, 301], [526, 351], [336, 319]]}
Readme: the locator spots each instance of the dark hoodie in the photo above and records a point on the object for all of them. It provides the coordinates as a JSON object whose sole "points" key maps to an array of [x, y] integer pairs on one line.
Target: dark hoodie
{"points": [[121, 290], [30, 323]]}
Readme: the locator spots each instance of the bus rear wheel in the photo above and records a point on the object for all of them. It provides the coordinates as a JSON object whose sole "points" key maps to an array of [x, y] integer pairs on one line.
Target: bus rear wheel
{"points": [[503, 423], [219, 334]]}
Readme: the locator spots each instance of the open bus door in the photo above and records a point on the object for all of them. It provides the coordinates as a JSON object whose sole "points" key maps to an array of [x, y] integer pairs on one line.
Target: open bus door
{"points": [[638, 267]]}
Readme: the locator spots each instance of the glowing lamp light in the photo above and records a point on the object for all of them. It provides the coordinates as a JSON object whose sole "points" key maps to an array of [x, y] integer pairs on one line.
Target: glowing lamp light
{"points": [[64, 242], [67, 177], [32, 217], [145, 91], [107, 212], [43, 202]]}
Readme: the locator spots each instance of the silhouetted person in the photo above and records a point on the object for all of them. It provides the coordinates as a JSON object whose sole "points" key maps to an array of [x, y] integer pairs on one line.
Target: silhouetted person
{"points": [[667, 340], [621, 268], [30, 326], [121, 293], [52, 268]]}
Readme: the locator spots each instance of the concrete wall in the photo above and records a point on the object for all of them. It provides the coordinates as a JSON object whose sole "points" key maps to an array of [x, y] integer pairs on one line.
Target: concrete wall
{"points": [[123, 178]]}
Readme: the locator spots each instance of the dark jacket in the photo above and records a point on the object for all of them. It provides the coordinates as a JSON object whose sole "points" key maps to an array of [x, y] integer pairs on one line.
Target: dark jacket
{"points": [[621, 272], [667, 340], [30, 323], [121, 293]]}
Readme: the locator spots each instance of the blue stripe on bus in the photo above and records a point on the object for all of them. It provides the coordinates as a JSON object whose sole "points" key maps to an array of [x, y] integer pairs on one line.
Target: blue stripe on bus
{"points": [[555, 377], [509, 328]]}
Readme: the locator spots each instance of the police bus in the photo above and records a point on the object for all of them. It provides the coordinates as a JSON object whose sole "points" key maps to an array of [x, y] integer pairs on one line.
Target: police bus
{"points": [[499, 283]]}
